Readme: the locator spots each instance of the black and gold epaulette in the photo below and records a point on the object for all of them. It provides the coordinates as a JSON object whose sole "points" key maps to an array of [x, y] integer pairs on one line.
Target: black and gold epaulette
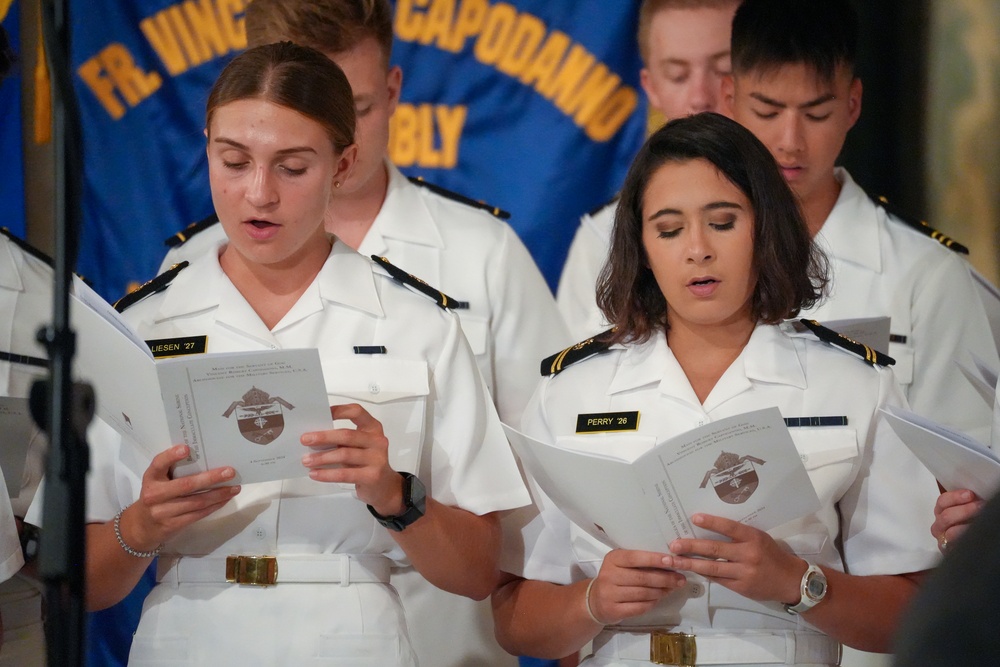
{"points": [[157, 284], [25, 246], [598, 209], [193, 229], [872, 356], [922, 227], [403, 278], [475, 203], [560, 361]]}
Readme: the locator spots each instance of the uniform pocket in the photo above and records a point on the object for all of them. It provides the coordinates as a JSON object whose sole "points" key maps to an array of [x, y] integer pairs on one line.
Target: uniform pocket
{"points": [[394, 391]]}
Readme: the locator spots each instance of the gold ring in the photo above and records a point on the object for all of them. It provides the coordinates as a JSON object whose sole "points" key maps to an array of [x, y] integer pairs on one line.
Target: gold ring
{"points": [[943, 543]]}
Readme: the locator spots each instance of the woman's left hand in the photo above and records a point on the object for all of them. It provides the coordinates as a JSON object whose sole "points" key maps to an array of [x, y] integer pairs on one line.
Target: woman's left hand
{"points": [[356, 456], [753, 564]]}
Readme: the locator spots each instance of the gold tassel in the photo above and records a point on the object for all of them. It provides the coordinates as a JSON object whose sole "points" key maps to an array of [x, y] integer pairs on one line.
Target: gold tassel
{"points": [[43, 93]]}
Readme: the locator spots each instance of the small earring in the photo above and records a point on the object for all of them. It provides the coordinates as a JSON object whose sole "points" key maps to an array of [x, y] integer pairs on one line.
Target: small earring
{"points": [[336, 184]]}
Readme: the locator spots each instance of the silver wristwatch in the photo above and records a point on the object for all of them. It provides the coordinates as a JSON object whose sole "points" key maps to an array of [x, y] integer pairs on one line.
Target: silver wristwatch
{"points": [[813, 589]]}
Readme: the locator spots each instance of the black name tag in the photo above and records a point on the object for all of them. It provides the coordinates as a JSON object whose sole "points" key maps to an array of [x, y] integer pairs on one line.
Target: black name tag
{"points": [[601, 422], [177, 347], [369, 349], [801, 422]]}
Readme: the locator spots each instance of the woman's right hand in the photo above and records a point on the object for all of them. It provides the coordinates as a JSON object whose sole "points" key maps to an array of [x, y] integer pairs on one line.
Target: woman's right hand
{"points": [[630, 583], [166, 506], [953, 512]]}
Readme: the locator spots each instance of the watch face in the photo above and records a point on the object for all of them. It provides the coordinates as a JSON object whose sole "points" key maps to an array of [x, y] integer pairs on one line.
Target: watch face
{"points": [[816, 587]]}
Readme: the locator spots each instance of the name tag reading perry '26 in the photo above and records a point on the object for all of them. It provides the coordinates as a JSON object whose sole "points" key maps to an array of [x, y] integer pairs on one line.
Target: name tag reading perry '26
{"points": [[603, 422], [177, 347]]}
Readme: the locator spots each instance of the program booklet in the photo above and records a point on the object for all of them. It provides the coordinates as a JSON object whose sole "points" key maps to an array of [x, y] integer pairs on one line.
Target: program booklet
{"points": [[242, 409], [956, 460], [745, 468]]}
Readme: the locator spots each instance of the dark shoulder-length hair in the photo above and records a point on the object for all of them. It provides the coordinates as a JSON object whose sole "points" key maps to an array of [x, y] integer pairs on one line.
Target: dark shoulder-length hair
{"points": [[791, 272]]}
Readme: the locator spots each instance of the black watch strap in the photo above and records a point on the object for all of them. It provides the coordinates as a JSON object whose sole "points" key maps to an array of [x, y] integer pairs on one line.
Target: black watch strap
{"points": [[414, 501]]}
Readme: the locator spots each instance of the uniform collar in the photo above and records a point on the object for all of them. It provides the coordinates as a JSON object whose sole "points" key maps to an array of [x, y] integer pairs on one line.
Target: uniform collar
{"points": [[403, 217], [769, 357], [849, 233], [9, 276], [345, 278]]}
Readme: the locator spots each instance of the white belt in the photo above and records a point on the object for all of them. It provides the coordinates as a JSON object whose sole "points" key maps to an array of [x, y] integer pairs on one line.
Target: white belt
{"points": [[343, 569], [724, 648]]}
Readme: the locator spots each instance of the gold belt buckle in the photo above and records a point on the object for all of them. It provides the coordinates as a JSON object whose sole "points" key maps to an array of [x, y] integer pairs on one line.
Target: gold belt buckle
{"points": [[672, 648], [252, 570]]}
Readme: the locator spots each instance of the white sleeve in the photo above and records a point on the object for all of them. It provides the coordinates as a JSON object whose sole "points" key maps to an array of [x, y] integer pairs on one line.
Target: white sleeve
{"points": [[888, 510], [576, 296], [472, 465]]}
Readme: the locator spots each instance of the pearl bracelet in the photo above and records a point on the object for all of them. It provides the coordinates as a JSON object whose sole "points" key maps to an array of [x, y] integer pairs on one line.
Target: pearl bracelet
{"points": [[129, 550], [586, 599]]}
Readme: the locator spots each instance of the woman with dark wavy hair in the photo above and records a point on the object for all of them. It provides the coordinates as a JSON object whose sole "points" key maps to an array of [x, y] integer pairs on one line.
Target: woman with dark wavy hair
{"points": [[709, 257]]}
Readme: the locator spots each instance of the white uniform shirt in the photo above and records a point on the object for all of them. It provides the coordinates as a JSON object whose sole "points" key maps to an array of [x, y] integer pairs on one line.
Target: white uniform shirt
{"points": [[576, 296], [26, 304], [426, 383], [880, 266], [511, 321], [874, 494]]}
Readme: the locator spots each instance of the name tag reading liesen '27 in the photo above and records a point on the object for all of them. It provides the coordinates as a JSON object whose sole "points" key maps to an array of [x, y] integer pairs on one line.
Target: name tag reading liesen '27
{"points": [[603, 422]]}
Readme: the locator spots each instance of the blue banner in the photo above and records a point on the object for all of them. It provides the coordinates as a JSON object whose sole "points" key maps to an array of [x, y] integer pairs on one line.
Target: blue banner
{"points": [[531, 105], [11, 171]]}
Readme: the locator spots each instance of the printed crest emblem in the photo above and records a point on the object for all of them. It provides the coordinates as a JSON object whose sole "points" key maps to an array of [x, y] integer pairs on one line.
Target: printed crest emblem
{"points": [[734, 478], [259, 416]]}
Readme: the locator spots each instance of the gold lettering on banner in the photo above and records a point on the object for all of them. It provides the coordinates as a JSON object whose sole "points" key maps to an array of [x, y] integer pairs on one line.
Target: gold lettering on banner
{"points": [[190, 33], [520, 45], [113, 77], [426, 135]]}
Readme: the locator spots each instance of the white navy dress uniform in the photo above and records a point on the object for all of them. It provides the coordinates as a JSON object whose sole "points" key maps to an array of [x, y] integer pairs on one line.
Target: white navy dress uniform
{"points": [[576, 295], [510, 319], [882, 266], [426, 390], [875, 497], [26, 304]]}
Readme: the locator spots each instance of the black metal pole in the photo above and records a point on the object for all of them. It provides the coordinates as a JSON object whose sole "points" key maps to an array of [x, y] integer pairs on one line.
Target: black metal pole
{"points": [[67, 409]]}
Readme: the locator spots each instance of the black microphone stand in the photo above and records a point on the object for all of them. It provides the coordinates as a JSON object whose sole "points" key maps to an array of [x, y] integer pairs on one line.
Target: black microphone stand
{"points": [[61, 408]]}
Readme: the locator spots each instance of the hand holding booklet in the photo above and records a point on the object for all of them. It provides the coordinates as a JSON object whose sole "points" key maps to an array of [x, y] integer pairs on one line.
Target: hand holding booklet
{"points": [[241, 409], [745, 468], [956, 460]]}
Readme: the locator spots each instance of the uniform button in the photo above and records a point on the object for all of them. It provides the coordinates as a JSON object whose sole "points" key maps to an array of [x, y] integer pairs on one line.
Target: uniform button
{"points": [[374, 388], [696, 590], [261, 533]]}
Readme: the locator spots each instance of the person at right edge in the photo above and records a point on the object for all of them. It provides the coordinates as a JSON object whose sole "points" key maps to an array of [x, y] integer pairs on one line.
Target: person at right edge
{"points": [[794, 86], [709, 257]]}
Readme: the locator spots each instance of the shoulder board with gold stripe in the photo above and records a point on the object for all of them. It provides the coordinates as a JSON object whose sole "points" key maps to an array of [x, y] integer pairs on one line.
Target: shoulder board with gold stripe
{"points": [[26, 247], [598, 209], [475, 203], [157, 284], [870, 355], [560, 361], [193, 229], [403, 278], [922, 227]]}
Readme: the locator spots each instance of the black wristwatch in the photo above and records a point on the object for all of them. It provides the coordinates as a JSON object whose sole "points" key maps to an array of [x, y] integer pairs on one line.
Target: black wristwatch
{"points": [[414, 501]]}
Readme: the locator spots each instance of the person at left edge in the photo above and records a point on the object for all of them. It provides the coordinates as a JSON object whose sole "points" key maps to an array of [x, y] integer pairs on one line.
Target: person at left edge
{"points": [[26, 305], [280, 125]]}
